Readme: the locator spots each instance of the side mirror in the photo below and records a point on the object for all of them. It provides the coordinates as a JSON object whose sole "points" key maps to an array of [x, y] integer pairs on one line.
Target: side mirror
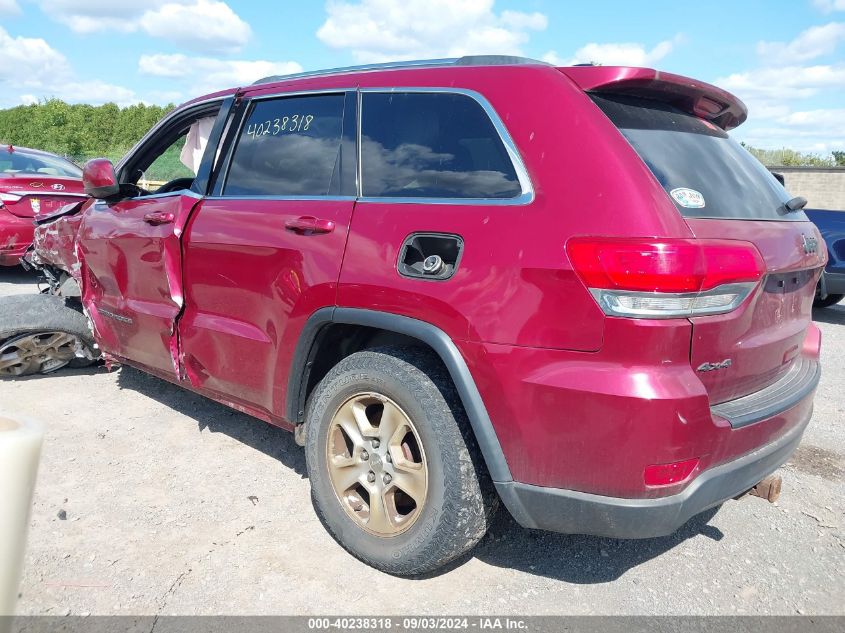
{"points": [[98, 179]]}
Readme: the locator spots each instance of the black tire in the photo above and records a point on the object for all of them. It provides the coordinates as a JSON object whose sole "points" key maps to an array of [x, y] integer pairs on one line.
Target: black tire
{"points": [[829, 300], [29, 314], [460, 498]]}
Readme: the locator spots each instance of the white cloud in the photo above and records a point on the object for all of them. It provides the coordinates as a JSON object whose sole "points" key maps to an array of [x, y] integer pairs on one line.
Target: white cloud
{"points": [[202, 25], [778, 91], [9, 7], [778, 136], [34, 70], [92, 91], [91, 16], [829, 6], [784, 83], [775, 116], [616, 54], [831, 119], [207, 74], [206, 25], [814, 42], [79, 91], [385, 30], [27, 59]]}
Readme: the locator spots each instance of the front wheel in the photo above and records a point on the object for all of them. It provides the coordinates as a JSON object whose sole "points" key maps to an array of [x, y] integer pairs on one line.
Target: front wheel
{"points": [[394, 467], [40, 334]]}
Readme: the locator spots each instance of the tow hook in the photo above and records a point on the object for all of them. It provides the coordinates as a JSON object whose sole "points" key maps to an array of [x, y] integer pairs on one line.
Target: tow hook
{"points": [[768, 488]]}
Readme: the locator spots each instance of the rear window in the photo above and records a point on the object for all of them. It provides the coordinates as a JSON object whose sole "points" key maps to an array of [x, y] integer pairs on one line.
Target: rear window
{"points": [[432, 145], [20, 162], [705, 172]]}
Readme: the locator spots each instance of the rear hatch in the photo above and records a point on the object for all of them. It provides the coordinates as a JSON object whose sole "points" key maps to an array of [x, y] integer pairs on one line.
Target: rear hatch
{"points": [[28, 195], [724, 193]]}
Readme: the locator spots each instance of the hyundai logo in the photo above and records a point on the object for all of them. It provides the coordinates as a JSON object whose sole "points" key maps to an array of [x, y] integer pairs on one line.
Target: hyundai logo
{"points": [[57, 187], [811, 244]]}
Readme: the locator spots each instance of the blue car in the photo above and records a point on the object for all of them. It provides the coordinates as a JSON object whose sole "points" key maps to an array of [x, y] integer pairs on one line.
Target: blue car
{"points": [[831, 224]]}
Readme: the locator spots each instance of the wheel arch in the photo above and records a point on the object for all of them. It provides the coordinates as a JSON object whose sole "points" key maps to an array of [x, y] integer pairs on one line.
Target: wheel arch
{"points": [[317, 336]]}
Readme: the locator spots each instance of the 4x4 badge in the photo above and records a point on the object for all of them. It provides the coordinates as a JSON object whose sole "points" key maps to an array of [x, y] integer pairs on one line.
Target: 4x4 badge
{"points": [[811, 244], [714, 366]]}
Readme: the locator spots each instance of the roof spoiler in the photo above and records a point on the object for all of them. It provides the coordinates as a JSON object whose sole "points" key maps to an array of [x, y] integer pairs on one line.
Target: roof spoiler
{"points": [[690, 95]]}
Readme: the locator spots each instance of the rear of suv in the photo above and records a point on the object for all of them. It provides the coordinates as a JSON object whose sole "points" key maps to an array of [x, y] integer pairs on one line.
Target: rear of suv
{"points": [[469, 280]]}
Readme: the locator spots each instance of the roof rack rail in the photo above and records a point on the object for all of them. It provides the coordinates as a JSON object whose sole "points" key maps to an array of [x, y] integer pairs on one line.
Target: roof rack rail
{"points": [[466, 60]]}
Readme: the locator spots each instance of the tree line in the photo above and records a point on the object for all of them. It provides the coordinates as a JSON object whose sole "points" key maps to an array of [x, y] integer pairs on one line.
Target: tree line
{"points": [[78, 131], [81, 131], [786, 157]]}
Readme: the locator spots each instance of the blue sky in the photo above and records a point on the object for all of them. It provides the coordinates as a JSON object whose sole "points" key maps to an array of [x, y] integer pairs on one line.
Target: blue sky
{"points": [[784, 58]]}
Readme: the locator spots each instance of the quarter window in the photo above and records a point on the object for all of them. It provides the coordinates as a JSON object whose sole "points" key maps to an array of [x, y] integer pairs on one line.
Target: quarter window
{"points": [[288, 147], [432, 145]]}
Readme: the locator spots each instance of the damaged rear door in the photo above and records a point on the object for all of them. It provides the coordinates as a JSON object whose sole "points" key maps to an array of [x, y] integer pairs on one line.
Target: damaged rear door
{"points": [[131, 247]]}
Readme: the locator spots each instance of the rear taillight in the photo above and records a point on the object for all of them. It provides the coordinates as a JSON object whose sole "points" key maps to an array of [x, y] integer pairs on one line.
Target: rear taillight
{"points": [[665, 278], [8, 197]]}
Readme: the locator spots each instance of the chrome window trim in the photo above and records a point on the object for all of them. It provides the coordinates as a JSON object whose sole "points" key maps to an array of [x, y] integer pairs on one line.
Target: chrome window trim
{"points": [[359, 169], [227, 164], [527, 195], [521, 199], [298, 93], [45, 193], [181, 192], [285, 198]]}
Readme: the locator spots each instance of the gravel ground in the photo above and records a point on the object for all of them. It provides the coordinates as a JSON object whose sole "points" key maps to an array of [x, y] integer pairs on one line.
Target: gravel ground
{"points": [[173, 504]]}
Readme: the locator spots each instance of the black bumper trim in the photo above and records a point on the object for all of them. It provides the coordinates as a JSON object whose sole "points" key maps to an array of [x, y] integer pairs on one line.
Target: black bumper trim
{"points": [[801, 379], [574, 512]]}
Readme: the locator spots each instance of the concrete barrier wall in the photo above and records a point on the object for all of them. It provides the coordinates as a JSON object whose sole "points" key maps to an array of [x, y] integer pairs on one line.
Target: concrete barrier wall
{"points": [[823, 188]]}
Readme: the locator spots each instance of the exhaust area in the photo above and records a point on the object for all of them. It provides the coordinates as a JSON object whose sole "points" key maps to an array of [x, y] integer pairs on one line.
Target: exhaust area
{"points": [[768, 488]]}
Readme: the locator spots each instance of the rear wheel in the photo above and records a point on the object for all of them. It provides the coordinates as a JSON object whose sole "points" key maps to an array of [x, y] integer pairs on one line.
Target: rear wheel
{"points": [[40, 334], [394, 468]]}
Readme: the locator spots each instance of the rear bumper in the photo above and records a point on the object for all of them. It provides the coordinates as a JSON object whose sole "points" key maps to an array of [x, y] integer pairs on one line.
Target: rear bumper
{"points": [[575, 512]]}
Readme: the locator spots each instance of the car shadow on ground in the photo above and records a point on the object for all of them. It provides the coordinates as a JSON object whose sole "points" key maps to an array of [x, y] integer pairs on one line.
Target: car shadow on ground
{"points": [[834, 314], [16, 275], [576, 558], [571, 558], [217, 418]]}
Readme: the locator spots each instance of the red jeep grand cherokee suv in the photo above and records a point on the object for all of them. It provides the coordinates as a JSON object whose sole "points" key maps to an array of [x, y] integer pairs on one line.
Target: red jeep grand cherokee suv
{"points": [[32, 182], [463, 280]]}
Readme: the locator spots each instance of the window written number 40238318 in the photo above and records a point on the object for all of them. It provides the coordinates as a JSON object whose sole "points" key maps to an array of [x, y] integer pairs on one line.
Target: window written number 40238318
{"points": [[291, 124]]}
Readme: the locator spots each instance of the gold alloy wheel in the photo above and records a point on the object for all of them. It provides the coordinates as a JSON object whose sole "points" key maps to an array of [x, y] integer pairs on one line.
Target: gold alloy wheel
{"points": [[37, 353], [377, 464]]}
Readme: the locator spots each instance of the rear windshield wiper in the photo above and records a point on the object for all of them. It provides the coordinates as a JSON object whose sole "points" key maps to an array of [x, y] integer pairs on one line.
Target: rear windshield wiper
{"points": [[795, 204]]}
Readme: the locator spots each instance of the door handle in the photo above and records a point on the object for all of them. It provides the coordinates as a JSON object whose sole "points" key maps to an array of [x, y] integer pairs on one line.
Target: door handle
{"points": [[308, 224], [159, 217]]}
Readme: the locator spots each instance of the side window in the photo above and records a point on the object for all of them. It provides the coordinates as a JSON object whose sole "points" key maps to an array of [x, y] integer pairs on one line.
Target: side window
{"points": [[171, 156], [290, 146], [166, 166], [432, 145]]}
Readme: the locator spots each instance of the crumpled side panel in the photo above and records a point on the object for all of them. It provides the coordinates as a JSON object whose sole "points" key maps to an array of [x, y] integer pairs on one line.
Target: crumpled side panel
{"points": [[55, 245]]}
